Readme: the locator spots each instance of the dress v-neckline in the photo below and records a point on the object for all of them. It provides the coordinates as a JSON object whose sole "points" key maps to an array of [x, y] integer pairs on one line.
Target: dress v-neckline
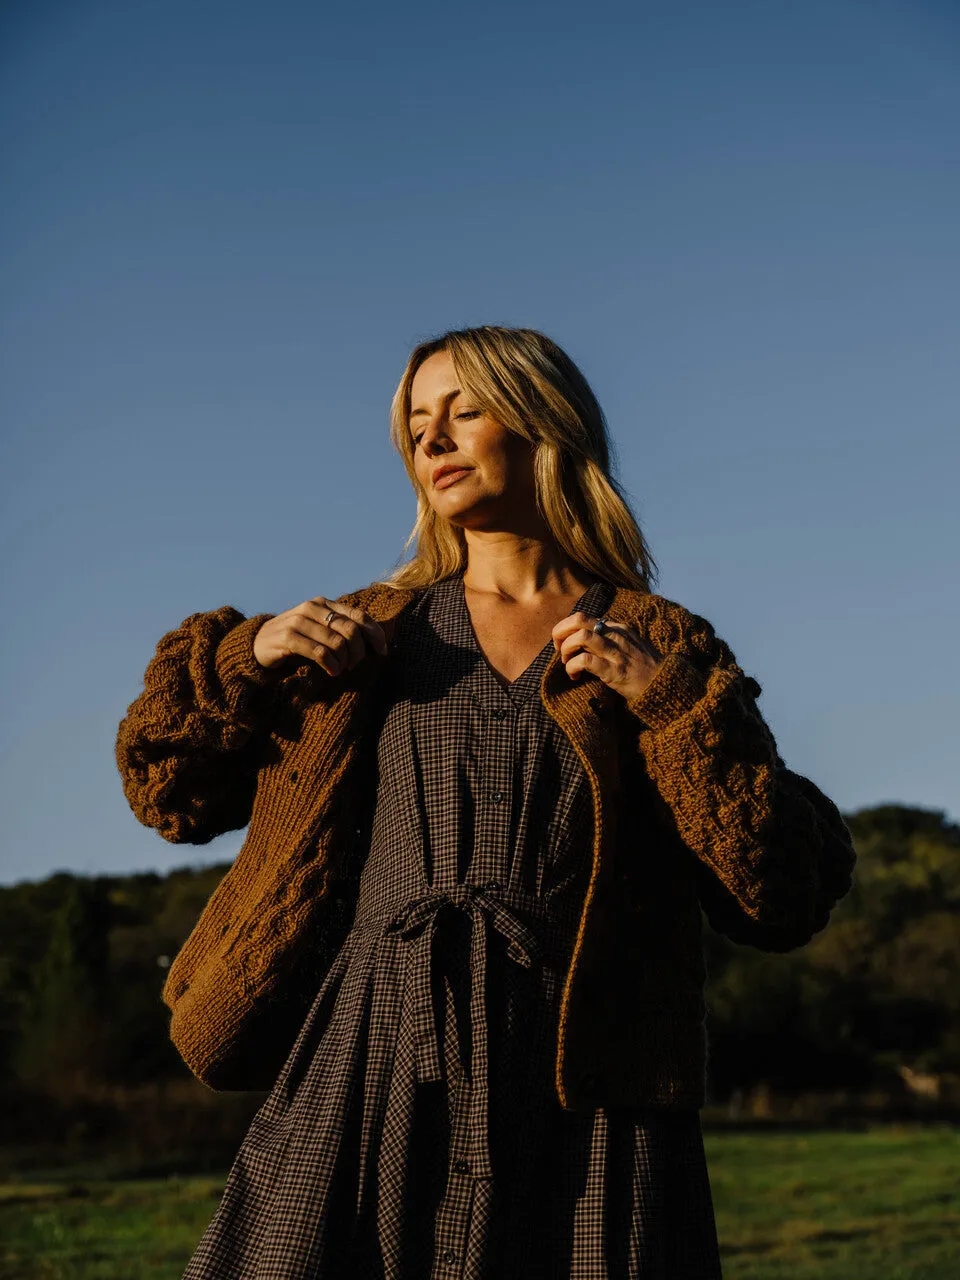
{"points": [[515, 686]]}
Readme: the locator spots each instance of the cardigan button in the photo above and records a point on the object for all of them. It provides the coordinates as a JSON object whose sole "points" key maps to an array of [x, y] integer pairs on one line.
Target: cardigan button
{"points": [[294, 775]]}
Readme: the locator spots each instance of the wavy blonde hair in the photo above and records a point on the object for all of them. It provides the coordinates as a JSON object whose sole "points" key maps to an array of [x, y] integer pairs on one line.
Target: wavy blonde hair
{"points": [[530, 386]]}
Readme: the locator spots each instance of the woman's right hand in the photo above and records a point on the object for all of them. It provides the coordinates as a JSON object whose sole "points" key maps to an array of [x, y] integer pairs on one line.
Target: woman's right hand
{"points": [[337, 645]]}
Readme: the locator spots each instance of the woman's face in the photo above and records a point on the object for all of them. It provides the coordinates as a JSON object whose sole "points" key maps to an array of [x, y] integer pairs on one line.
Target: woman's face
{"points": [[496, 487]]}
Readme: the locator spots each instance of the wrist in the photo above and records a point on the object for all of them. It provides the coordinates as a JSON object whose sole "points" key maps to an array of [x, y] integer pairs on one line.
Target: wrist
{"points": [[236, 660], [675, 688]]}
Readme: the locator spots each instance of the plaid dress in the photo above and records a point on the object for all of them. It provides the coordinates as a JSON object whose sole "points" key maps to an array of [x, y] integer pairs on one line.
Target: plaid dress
{"points": [[414, 1130]]}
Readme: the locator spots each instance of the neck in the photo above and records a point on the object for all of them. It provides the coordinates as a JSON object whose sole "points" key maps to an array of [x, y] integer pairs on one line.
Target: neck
{"points": [[519, 569]]}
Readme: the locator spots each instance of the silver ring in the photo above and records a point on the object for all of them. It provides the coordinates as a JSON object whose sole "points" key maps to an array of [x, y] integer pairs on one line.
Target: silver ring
{"points": [[601, 626], [331, 614]]}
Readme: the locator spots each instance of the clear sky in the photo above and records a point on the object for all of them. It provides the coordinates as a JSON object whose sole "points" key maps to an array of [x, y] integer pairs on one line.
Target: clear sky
{"points": [[224, 226]]}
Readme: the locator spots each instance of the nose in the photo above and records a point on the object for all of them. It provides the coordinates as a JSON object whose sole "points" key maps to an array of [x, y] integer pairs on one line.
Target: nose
{"points": [[435, 438]]}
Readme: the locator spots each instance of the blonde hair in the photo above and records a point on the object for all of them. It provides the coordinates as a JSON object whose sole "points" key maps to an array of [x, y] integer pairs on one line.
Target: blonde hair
{"points": [[530, 386]]}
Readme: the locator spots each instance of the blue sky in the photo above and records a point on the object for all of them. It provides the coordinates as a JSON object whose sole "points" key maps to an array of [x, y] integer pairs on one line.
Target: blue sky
{"points": [[226, 224]]}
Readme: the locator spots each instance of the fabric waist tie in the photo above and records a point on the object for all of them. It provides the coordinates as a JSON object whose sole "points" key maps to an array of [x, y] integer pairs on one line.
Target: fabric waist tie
{"points": [[483, 904]]}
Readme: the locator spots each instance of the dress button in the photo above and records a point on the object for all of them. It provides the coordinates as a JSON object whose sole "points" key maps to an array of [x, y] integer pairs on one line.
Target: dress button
{"points": [[498, 715], [449, 1255], [493, 886], [461, 1166], [497, 797]]}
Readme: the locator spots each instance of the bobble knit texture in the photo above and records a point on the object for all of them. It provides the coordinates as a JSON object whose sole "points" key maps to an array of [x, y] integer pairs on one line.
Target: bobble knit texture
{"points": [[694, 810]]}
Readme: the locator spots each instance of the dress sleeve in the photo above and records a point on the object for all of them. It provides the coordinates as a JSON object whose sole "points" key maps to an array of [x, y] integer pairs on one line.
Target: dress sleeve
{"points": [[187, 749], [774, 854]]}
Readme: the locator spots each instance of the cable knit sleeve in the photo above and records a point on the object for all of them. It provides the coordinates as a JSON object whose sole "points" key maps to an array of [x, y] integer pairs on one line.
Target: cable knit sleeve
{"points": [[187, 747], [774, 854]]}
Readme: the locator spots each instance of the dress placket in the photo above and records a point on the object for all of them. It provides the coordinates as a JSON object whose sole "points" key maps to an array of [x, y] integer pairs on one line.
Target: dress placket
{"points": [[491, 728], [469, 1157]]}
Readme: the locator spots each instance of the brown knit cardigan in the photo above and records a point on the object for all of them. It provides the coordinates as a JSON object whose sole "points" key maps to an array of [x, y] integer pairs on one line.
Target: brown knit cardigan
{"points": [[693, 807]]}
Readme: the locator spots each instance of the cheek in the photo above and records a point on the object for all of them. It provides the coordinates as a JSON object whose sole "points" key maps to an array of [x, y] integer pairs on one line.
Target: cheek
{"points": [[518, 461], [500, 453]]}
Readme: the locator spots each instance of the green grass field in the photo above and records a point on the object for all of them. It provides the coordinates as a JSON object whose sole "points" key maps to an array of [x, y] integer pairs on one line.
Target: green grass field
{"points": [[879, 1205]]}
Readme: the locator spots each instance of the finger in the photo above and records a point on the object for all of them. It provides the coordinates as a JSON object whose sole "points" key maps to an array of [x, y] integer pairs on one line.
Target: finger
{"points": [[572, 622], [633, 636], [640, 641], [350, 622], [582, 663], [584, 638], [353, 633], [321, 641], [369, 629], [317, 642], [574, 641]]}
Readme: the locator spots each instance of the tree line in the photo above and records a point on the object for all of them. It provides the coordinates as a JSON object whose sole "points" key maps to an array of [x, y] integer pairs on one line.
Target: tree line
{"points": [[83, 959]]}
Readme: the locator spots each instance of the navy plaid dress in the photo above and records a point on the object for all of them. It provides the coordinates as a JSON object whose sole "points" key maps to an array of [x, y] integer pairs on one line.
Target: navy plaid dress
{"points": [[414, 1130]]}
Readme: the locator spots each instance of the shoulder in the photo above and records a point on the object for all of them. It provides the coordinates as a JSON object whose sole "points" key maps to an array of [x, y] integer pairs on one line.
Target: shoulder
{"points": [[672, 627], [381, 601]]}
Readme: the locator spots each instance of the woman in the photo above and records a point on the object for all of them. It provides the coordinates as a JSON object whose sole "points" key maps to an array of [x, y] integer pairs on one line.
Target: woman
{"points": [[487, 799]]}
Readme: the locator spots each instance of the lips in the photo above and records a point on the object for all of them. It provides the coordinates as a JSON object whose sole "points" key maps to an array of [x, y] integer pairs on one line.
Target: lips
{"points": [[448, 477]]}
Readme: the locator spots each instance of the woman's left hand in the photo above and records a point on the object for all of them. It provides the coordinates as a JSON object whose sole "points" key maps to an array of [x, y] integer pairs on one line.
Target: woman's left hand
{"points": [[620, 656]]}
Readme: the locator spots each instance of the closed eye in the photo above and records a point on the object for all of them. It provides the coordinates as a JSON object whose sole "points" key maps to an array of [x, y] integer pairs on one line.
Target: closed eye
{"points": [[467, 413]]}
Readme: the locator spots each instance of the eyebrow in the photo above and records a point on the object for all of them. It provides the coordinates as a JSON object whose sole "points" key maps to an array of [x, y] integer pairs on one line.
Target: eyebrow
{"points": [[451, 395]]}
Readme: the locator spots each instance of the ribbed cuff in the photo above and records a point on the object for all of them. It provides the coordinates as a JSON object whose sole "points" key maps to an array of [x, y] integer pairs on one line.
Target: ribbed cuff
{"points": [[229, 1040], [205, 1031], [235, 657], [674, 690]]}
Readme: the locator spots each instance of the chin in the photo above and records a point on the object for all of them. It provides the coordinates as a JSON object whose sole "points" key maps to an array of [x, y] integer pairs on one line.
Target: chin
{"points": [[457, 505]]}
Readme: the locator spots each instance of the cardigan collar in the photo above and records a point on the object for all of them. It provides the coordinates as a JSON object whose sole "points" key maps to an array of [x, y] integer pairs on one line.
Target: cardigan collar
{"points": [[384, 603], [579, 707]]}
